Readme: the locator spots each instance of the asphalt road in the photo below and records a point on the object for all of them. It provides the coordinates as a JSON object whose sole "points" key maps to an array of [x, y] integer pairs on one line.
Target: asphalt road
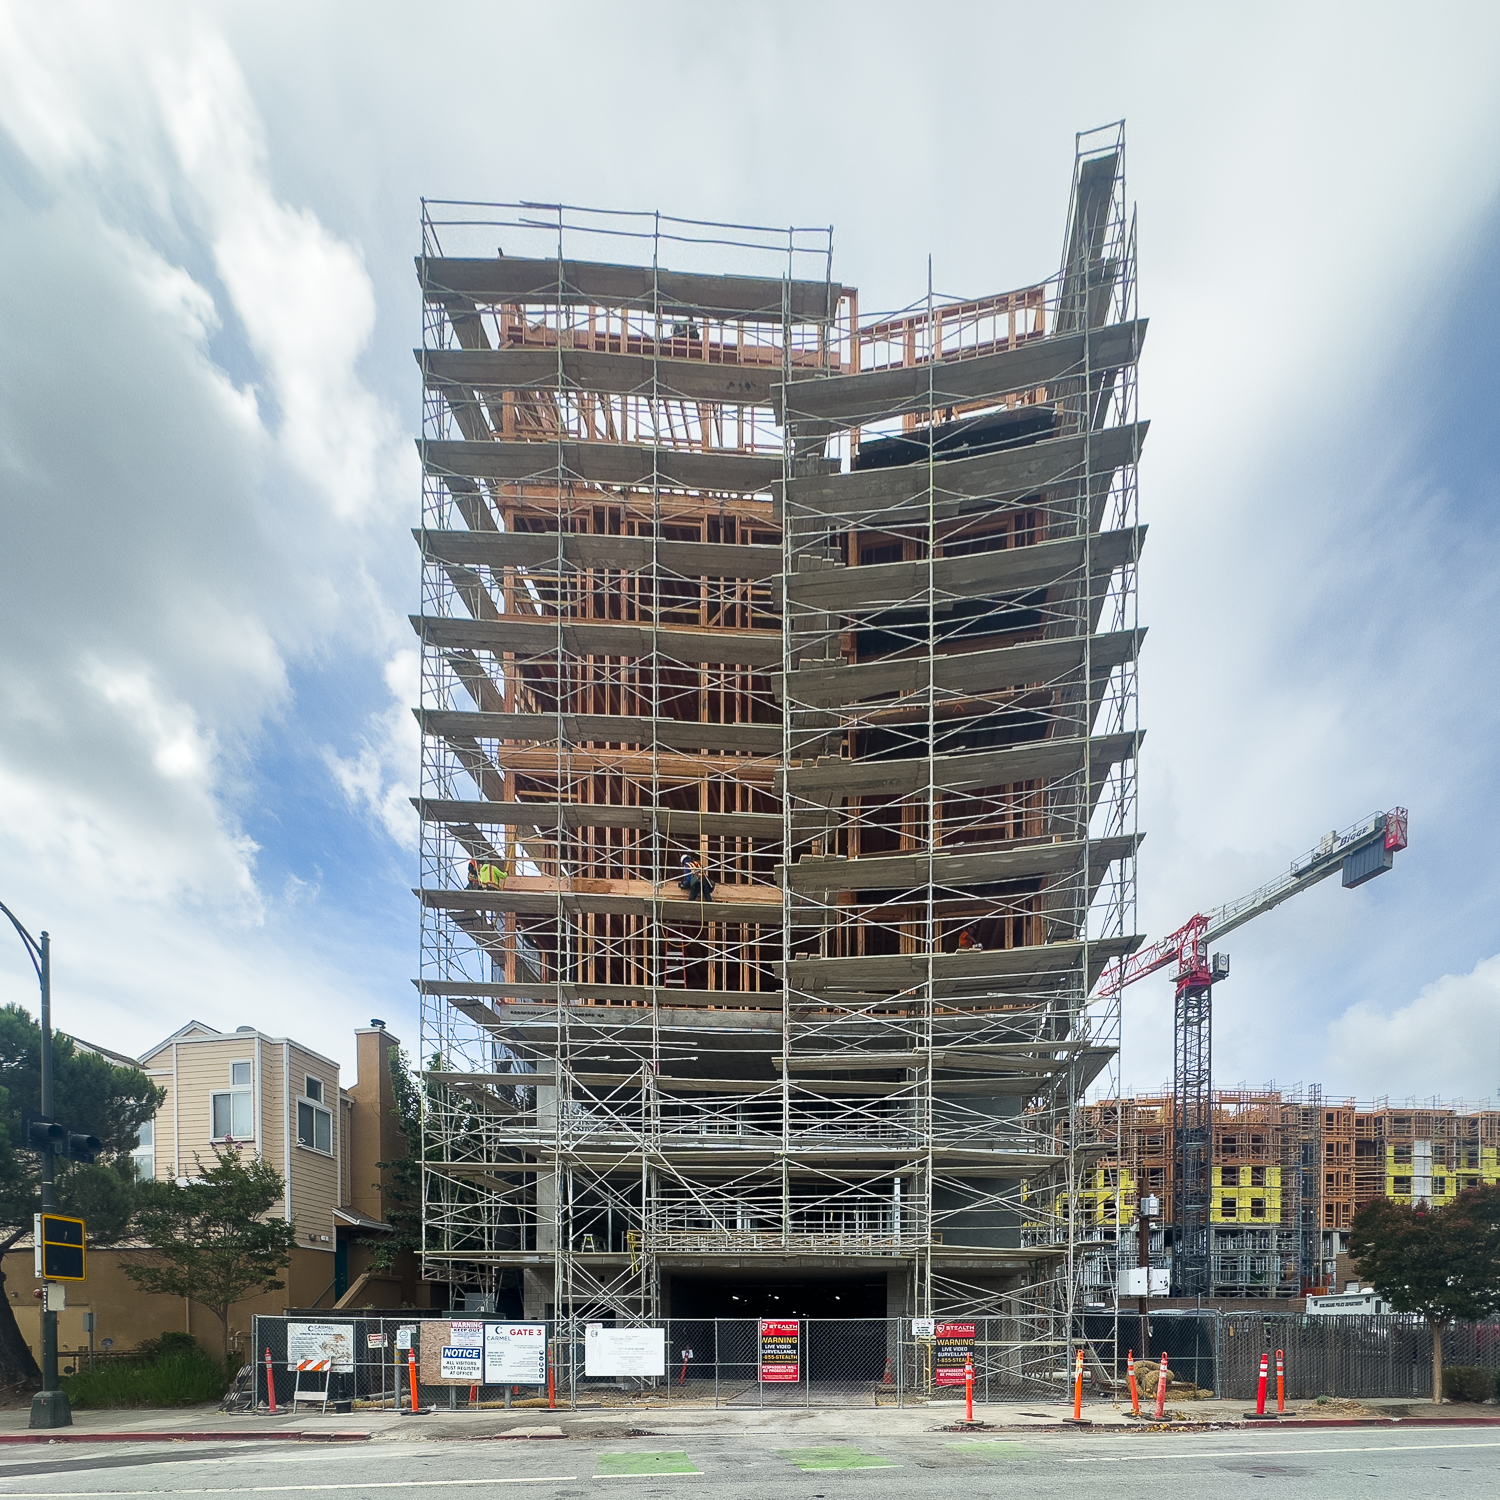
{"points": [[1341, 1465]]}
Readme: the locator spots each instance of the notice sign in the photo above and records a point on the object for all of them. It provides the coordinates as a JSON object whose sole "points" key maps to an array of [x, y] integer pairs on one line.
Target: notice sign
{"points": [[515, 1354], [462, 1356], [624, 1351], [333, 1342], [955, 1348], [460, 1362], [779, 1341]]}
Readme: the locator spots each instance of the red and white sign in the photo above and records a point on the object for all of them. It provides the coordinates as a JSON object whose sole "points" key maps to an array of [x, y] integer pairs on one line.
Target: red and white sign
{"points": [[780, 1341], [955, 1348]]}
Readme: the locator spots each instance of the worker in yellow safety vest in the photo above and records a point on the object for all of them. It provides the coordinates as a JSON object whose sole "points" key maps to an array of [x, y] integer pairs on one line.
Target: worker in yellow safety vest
{"points": [[483, 875]]}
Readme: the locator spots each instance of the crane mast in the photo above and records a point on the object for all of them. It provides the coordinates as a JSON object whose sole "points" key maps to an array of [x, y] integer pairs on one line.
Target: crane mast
{"points": [[1361, 852]]}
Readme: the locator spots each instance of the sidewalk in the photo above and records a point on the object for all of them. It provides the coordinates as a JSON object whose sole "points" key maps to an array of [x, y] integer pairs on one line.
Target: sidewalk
{"points": [[539, 1424]]}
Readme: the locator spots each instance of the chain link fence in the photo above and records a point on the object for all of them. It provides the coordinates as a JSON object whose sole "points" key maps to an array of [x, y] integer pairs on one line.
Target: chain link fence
{"points": [[828, 1362]]}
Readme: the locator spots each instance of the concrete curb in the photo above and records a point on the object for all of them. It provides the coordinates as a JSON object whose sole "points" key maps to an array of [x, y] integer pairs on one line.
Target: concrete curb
{"points": [[60, 1435]]}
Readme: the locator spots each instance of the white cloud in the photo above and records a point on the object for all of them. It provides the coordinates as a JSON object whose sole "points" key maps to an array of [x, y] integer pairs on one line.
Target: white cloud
{"points": [[1446, 1042], [382, 777]]}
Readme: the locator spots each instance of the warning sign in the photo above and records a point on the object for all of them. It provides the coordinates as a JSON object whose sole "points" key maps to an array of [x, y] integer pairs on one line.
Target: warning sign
{"points": [[955, 1348], [780, 1339], [319, 1342]]}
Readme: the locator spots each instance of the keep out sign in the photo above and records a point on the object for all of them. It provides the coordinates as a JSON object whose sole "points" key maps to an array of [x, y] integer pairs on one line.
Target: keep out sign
{"points": [[779, 1340]]}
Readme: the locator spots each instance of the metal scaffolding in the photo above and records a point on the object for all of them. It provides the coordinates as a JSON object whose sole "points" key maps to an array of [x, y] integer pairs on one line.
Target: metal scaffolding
{"points": [[723, 579]]}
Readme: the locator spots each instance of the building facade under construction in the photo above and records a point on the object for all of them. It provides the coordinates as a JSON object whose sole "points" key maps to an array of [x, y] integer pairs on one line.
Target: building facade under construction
{"points": [[778, 801], [1289, 1170]]}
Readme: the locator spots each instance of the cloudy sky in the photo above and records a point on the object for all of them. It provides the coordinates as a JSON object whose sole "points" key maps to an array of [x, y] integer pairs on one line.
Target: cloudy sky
{"points": [[207, 396]]}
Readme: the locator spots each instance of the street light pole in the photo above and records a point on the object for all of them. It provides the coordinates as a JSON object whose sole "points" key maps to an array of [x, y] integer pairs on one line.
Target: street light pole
{"points": [[49, 1407]]}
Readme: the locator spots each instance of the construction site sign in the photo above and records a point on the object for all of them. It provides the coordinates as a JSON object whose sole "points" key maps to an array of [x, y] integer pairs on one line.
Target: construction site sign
{"points": [[955, 1348], [780, 1340], [328, 1346], [515, 1354], [624, 1351]]}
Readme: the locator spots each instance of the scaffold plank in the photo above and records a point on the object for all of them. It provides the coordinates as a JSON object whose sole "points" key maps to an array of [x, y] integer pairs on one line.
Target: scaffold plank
{"points": [[717, 380], [602, 463], [837, 685], [852, 399], [575, 729], [533, 637], [604, 284], [531, 549], [982, 575], [572, 815], [829, 780], [913, 491], [946, 870]]}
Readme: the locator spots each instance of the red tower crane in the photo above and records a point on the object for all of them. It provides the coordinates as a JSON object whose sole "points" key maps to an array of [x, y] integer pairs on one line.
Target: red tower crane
{"points": [[1361, 852]]}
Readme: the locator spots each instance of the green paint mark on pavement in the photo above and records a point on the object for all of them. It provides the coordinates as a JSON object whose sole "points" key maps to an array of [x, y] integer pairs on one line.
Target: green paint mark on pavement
{"points": [[612, 1464], [994, 1449], [835, 1458]]}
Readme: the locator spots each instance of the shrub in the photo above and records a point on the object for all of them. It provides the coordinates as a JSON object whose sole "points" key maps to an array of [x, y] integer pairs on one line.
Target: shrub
{"points": [[1468, 1383], [171, 1342], [177, 1376]]}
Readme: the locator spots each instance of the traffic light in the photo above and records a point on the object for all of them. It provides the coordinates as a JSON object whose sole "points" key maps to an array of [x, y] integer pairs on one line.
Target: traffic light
{"points": [[83, 1147], [43, 1133]]}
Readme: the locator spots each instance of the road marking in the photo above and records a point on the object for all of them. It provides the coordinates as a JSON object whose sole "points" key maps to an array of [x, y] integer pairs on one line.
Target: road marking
{"points": [[281, 1489], [1125, 1458], [644, 1462]]}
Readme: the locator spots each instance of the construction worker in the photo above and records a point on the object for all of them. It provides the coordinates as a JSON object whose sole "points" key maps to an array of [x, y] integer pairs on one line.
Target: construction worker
{"points": [[485, 876], [695, 879], [966, 943]]}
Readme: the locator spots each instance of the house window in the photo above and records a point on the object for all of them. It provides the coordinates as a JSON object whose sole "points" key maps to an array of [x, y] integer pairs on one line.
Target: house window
{"points": [[314, 1127], [1401, 1185], [1227, 1209], [143, 1157], [313, 1088], [233, 1115], [1257, 1208], [239, 1075], [1440, 1186], [1257, 1176]]}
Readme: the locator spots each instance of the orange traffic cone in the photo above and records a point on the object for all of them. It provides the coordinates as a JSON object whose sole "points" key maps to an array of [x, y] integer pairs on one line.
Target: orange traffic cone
{"points": [[889, 1378]]}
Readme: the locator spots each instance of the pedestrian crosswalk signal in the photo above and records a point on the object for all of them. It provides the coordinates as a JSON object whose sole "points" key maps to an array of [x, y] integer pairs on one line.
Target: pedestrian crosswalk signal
{"points": [[60, 1247]]}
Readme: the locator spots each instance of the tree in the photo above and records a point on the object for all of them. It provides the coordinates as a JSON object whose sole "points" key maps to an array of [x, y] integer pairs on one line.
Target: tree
{"points": [[1443, 1263], [92, 1095], [403, 1188], [208, 1240]]}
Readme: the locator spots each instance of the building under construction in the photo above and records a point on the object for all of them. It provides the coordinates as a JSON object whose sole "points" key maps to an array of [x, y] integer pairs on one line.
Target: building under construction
{"points": [[778, 783], [1289, 1170]]}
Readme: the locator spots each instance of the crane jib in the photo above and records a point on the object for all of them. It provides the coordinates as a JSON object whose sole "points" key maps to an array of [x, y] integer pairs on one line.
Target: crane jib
{"points": [[1361, 852]]}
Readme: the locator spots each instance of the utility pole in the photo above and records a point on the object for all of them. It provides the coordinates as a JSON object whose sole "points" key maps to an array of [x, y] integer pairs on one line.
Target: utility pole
{"points": [[49, 1407], [1150, 1206]]}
